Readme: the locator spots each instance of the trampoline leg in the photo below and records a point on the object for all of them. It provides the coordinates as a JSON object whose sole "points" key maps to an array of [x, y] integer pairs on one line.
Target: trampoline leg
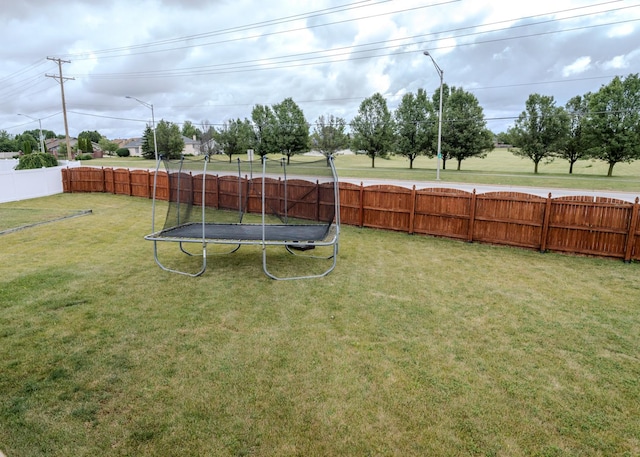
{"points": [[186, 273], [334, 258]]}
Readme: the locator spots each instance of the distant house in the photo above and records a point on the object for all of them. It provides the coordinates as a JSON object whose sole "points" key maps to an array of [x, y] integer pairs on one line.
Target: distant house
{"points": [[134, 146], [52, 145], [191, 146]]}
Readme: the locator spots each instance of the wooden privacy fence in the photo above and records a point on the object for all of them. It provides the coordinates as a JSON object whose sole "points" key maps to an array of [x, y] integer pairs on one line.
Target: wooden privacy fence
{"points": [[594, 226]]}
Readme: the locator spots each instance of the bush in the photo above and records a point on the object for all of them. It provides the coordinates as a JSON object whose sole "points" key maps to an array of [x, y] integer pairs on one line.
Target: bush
{"points": [[84, 157], [36, 160], [123, 152]]}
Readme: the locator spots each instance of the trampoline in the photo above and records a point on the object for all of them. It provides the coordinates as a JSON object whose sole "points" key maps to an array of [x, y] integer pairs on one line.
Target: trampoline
{"points": [[292, 204]]}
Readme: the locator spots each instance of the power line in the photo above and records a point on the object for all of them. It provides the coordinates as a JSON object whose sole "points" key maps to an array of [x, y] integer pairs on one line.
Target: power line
{"points": [[311, 58], [83, 56]]}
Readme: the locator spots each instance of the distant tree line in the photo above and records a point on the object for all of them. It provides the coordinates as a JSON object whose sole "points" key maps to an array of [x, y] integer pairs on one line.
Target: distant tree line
{"points": [[604, 125], [375, 131]]}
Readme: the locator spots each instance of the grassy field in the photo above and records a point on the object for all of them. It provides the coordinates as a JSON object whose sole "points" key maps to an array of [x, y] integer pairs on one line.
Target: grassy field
{"points": [[412, 346], [499, 167]]}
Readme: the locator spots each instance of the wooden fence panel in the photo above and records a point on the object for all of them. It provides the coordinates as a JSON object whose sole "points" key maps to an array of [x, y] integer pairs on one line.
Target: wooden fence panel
{"points": [[121, 181], [66, 185], [231, 191], [584, 226], [162, 186], [274, 196], [633, 242], [211, 192], [351, 203], [302, 199], [86, 179], [442, 212], [387, 207], [181, 187], [326, 202], [197, 189], [509, 218], [141, 183], [108, 180]]}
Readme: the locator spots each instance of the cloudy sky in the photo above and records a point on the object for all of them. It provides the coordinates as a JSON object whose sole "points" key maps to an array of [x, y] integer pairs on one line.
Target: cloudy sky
{"points": [[207, 61]]}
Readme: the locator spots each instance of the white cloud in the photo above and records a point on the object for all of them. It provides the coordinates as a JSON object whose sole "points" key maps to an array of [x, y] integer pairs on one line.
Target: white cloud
{"points": [[621, 30], [617, 63], [580, 65], [218, 47]]}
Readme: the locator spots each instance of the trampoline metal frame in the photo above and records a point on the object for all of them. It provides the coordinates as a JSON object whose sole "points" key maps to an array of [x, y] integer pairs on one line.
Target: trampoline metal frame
{"points": [[255, 234]]}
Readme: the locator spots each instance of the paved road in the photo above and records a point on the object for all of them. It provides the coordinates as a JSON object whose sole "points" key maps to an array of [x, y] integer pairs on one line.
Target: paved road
{"points": [[481, 188]]}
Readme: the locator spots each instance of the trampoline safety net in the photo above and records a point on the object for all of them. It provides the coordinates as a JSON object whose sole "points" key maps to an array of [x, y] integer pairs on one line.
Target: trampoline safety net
{"points": [[265, 201]]}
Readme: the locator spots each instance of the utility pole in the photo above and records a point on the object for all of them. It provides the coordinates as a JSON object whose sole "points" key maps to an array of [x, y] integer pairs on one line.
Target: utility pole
{"points": [[61, 80]]}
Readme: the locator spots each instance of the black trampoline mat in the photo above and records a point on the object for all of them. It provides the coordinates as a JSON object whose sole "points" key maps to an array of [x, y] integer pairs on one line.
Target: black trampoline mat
{"points": [[248, 232]]}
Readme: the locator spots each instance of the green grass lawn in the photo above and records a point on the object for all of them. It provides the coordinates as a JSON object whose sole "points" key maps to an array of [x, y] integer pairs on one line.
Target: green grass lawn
{"points": [[412, 346], [16, 217], [499, 167]]}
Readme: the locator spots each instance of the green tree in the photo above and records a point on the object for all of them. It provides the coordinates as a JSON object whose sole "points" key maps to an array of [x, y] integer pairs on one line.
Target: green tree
{"points": [[503, 138], [191, 131], [541, 130], [148, 147], [84, 145], [27, 148], [575, 148], [372, 127], [234, 137], [48, 134], [93, 136], [329, 135], [107, 146], [415, 119], [25, 138], [612, 129], [265, 130], [36, 160], [7, 142], [170, 142], [169, 139], [292, 128], [464, 131]]}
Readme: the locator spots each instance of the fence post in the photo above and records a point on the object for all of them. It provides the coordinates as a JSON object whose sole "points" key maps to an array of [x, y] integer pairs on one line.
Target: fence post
{"points": [[361, 205], [102, 180], [545, 224], [65, 184], [412, 214], [217, 195], [631, 232], [472, 216], [317, 200]]}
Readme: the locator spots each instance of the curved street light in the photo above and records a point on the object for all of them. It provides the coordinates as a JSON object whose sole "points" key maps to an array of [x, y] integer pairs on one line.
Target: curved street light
{"points": [[40, 123], [153, 122], [441, 73]]}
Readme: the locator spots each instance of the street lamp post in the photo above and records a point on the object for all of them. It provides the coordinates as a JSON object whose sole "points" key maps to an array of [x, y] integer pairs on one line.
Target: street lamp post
{"points": [[40, 123], [441, 73], [153, 123]]}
